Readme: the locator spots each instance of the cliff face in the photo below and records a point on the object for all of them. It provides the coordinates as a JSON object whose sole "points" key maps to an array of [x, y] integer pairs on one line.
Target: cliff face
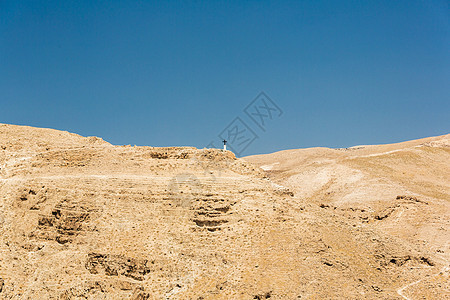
{"points": [[80, 218]]}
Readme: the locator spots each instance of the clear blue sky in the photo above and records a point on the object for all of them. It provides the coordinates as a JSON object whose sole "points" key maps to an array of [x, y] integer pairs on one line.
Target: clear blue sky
{"points": [[177, 73]]}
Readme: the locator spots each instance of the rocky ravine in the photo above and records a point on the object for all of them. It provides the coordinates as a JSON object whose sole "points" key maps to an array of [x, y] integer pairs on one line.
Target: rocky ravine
{"points": [[83, 219]]}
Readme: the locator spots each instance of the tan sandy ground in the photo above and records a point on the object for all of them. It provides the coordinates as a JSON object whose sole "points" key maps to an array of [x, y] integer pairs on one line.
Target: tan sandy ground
{"points": [[83, 219]]}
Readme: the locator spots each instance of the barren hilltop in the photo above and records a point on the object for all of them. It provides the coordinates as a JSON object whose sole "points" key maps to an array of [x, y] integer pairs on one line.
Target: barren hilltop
{"points": [[83, 219]]}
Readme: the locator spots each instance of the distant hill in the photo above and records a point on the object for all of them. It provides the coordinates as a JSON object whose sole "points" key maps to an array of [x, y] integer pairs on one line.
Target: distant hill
{"points": [[401, 190]]}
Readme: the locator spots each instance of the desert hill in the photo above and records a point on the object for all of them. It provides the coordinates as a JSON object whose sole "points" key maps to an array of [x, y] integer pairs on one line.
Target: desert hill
{"points": [[402, 190], [83, 219]]}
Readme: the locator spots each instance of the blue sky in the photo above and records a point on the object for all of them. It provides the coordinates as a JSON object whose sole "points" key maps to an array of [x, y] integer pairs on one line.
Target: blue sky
{"points": [[177, 73]]}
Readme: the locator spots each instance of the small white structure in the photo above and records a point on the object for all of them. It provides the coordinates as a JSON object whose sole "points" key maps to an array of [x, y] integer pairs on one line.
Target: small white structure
{"points": [[224, 144]]}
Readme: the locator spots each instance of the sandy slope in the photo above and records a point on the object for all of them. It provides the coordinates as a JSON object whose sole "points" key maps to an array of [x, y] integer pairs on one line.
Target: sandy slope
{"points": [[83, 219], [402, 190]]}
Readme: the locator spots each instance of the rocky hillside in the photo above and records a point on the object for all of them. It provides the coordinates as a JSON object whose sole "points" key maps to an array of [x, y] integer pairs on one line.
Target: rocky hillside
{"points": [[401, 190], [83, 219]]}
